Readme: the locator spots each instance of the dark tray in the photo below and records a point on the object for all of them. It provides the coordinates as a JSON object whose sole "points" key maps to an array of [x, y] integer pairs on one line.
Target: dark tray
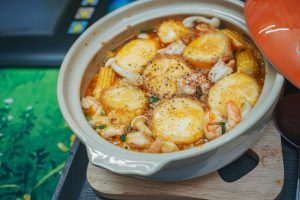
{"points": [[73, 182]]}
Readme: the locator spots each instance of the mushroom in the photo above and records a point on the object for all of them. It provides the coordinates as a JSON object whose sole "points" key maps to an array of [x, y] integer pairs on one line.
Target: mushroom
{"points": [[156, 146], [138, 140], [174, 48], [133, 78], [159, 146], [169, 146], [246, 108], [143, 36], [109, 62], [111, 132], [139, 122], [91, 102], [190, 21]]}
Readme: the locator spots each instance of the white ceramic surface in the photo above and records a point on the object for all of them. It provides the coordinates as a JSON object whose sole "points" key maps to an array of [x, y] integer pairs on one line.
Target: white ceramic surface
{"points": [[79, 66]]}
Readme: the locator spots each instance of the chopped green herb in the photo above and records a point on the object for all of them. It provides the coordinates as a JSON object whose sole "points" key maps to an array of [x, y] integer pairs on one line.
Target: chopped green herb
{"points": [[88, 118], [223, 127], [106, 59], [243, 49], [103, 126], [123, 137], [114, 49], [221, 26], [102, 113], [222, 124], [128, 128], [148, 30], [153, 99]]}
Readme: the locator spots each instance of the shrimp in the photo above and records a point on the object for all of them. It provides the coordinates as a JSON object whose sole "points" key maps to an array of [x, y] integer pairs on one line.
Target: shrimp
{"points": [[159, 146], [173, 49], [231, 63], [189, 22], [233, 115], [214, 125], [190, 81], [211, 124], [156, 146]]}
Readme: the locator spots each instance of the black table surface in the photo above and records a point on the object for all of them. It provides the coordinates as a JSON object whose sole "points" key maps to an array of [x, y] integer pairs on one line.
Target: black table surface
{"points": [[73, 183]]}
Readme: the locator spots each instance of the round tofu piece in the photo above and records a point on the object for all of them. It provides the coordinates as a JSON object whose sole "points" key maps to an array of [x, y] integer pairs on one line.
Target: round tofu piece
{"points": [[171, 30], [161, 75], [178, 120], [134, 55], [237, 87], [204, 51], [124, 102]]}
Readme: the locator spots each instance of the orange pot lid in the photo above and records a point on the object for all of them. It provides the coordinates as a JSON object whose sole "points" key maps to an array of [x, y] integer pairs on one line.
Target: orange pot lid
{"points": [[275, 27]]}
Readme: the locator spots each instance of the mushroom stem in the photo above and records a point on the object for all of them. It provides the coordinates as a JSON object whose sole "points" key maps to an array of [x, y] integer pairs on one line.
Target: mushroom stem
{"points": [[189, 22], [133, 78], [174, 48], [246, 108], [139, 122], [142, 127]]}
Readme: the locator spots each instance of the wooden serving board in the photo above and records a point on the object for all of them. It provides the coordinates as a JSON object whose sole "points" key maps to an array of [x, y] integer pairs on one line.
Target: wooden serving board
{"points": [[265, 181]]}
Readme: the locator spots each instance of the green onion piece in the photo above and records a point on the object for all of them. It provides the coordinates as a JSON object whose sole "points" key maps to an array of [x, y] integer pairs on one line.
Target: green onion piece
{"points": [[88, 118], [223, 127], [148, 30], [114, 49], [222, 124], [221, 26], [128, 128], [153, 99], [123, 137], [103, 126]]}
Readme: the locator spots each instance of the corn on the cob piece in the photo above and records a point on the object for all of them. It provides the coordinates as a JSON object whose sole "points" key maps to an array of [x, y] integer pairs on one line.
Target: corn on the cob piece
{"points": [[105, 79], [237, 39], [246, 62]]}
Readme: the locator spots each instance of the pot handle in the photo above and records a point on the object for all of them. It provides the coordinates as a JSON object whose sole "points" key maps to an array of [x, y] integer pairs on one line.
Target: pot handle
{"points": [[123, 166]]}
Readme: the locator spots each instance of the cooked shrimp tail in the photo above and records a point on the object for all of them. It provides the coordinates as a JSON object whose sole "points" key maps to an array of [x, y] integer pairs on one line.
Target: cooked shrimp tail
{"points": [[233, 114], [212, 125]]}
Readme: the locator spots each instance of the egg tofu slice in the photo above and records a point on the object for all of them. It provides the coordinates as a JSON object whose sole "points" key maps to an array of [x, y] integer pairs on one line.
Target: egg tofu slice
{"points": [[178, 120], [134, 55], [204, 51], [171, 30], [237, 87], [124, 102], [161, 75]]}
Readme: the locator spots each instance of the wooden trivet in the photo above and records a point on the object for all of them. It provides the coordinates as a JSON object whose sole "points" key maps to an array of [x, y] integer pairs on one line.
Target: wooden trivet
{"points": [[265, 181]]}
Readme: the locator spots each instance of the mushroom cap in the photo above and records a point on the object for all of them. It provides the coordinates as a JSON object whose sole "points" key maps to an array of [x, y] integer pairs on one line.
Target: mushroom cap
{"points": [[139, 118]]}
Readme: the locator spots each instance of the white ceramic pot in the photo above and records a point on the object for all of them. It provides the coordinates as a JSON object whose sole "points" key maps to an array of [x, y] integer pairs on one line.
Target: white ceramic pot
{"points": [[80, 64]]}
